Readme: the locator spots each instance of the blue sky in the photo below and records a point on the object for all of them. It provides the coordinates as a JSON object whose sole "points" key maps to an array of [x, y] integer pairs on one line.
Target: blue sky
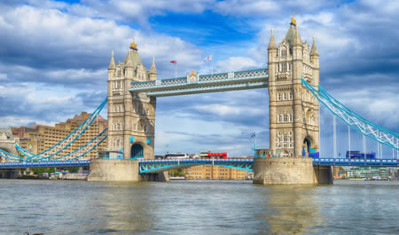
{"points": [[54, 57]]}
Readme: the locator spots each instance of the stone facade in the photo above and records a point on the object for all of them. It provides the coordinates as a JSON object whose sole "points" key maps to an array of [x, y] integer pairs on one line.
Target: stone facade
{"points": [[283, 171], [7, 143], [294, 112], [131, 116]]}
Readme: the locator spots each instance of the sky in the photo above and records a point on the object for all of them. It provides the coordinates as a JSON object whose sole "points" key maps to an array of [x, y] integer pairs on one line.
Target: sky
{"points": [[54, 57]]}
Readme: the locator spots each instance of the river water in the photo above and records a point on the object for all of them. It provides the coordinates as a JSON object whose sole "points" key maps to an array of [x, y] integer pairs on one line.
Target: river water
{"points": [[197, 207]]}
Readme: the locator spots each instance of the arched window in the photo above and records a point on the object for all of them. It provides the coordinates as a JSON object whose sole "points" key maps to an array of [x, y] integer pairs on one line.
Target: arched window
{"points": [[290, 95], [284, 52], [278, 118], [284, 67], [278, 96], [281, 118], [286, 118], [284, 96]]}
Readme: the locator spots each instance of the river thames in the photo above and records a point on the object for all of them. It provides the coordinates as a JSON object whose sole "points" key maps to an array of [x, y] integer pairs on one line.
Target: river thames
{"points": [[197, 207]]}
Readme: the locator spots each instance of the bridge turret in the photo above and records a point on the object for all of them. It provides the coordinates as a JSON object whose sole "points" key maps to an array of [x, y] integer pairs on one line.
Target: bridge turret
{"points": [[314, 58], [112, 62], [293, 114], [153, 71]]}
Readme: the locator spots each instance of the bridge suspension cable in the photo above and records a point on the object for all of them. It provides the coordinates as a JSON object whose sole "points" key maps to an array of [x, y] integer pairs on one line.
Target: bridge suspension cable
{"points": [[10, 156], [351, 118], [67, 141]]}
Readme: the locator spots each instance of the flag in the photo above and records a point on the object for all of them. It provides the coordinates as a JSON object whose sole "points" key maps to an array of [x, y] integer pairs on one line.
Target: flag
{"points": [[173, 61], [208, 58]]}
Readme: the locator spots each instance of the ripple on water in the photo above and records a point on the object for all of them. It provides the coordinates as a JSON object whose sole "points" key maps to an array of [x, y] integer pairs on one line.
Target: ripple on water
{"points": [[197, 207]]}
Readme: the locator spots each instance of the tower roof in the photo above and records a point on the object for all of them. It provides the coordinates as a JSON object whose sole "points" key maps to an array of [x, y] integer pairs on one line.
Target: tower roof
{"points": [[132, 58], [153, 69], [272, 42], [293, 33], [314, 51], [112, 62]]}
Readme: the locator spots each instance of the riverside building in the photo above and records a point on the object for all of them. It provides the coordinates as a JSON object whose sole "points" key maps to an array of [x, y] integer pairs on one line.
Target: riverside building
{"points": [[38, 138], [211, 172]]}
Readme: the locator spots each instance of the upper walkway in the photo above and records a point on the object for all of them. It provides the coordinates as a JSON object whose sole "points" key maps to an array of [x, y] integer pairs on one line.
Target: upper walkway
{"points": [[194, 83]]}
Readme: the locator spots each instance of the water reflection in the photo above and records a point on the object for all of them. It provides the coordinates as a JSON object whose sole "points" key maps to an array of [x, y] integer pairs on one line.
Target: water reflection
{"points": [[205, 207], [292, 209], [121, 208]]}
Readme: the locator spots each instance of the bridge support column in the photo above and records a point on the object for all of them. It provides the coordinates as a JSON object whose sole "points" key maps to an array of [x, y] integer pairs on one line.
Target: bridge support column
{"points": [[120, 170], [287, 170], [9, 173], [323, 175]]}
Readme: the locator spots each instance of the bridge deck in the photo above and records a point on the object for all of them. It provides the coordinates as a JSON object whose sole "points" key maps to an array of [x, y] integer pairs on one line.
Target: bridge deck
{"points": [[250, 79], [150, 166], [19, 165]]}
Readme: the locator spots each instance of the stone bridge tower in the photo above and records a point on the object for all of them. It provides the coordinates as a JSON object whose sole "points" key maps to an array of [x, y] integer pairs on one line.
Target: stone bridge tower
{"points": [[7, 142], [131, 117], [294, 112]]}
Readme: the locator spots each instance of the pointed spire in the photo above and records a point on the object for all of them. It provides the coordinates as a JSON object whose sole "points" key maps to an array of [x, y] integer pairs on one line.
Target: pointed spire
{"points": [[128, 61], [313, 51], [153, 69], [297, 39], [112, 62], [272, 42], [293, 21], [133, 45]]}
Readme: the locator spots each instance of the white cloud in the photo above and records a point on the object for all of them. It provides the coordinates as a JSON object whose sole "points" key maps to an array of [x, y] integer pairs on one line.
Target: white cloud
{"points": [[236, 64]]}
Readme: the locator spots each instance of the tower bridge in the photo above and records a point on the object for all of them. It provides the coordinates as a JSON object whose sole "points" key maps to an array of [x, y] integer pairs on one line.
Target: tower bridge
{"points": [[292, 80]]}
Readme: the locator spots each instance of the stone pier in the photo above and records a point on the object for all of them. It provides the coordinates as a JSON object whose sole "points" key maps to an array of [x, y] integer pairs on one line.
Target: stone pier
{"points": [[9, 173], [287, 170], [121, 170]]}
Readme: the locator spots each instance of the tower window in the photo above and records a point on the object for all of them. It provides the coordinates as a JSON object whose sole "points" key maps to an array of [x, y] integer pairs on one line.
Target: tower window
{"points": [[284, 53], [284, 67]]}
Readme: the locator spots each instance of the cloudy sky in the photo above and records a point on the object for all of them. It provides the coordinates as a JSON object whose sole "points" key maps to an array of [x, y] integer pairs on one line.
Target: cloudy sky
{"points": [[54, 57]]}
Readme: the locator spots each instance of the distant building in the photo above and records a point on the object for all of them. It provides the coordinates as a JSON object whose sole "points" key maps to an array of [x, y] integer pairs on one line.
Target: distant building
{"points": [[338, 173], [370, 172], [38, 138], [211, 172]]}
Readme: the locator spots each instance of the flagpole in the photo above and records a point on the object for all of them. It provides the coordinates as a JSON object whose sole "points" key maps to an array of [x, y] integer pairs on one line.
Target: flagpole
{"points": [[212, 66], [176, 70]]}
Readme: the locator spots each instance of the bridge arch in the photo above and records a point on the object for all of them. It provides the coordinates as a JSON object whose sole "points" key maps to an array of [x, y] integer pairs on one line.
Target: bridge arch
{"points": [[307, 145], [137, 151]]}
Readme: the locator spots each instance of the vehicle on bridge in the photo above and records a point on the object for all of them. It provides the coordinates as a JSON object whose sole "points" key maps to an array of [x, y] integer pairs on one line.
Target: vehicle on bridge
{"points": [[358, 155], [177, 156], [209, 154]]}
